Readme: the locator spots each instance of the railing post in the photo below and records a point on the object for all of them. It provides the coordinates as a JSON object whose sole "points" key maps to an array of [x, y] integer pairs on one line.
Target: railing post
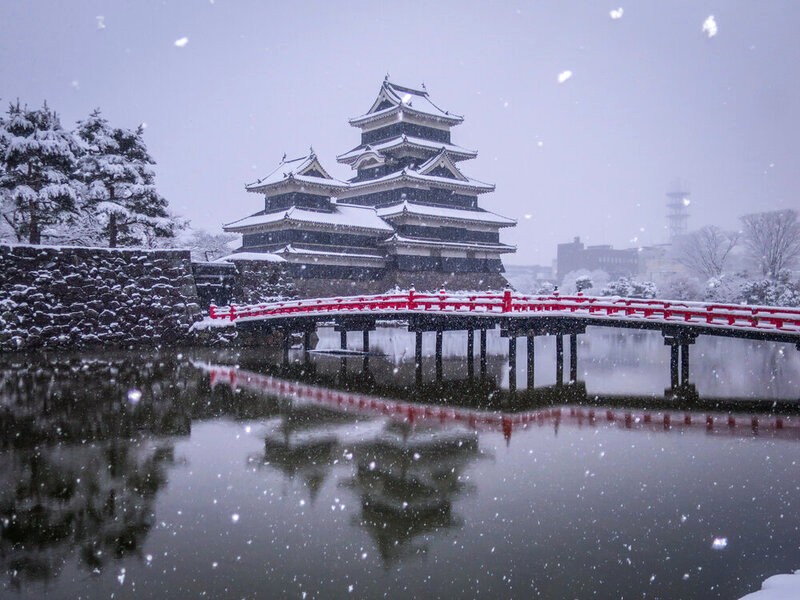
{"points": [[506, 300], [232, 312], [411, 304], [212, 311]]}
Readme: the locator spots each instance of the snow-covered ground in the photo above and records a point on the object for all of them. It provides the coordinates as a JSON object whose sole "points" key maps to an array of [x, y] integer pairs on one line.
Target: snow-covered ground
{"points": [[778, 587]]}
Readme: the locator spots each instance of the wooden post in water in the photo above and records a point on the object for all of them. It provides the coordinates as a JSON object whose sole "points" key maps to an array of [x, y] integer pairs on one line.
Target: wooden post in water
{"points": [[343, 339], [512, 363], [684, 363], [471, 353], [559, 359], [483, 353], [306, 346], [418, 357], [673, 364], [531, 361], [286, 336], [365, 348], [573, 357], [439, 335]]}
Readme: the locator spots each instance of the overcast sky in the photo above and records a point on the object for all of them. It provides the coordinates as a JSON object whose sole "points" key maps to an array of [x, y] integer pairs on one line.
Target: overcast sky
{"points": [[652, 97]]}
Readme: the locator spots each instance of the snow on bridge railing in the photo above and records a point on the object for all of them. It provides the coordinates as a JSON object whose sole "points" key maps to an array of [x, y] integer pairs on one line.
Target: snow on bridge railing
{"points": [[508, 303]]}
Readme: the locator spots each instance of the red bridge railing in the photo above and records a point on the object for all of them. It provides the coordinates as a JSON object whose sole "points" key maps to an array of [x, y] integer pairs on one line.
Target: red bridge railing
{"points": [[510, 304]]}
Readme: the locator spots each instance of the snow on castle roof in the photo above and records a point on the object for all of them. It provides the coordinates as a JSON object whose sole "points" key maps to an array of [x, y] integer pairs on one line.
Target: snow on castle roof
{"points": [[395, 98], [407, 174], [304, 170], [400, 240], [457, 152], [343, 217], [444, 213]]}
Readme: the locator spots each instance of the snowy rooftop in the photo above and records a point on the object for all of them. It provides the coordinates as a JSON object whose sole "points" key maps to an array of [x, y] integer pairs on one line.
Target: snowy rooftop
{"points": [[407, 174], [405, 141], [406, 241], [394, 98], [450, 214], [304, 170], [344, 216], [251, 256], [290, 249]]}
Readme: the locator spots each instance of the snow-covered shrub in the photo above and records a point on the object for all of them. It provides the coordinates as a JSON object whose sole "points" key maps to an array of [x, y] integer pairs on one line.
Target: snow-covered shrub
{"points": [[726, 288], [629, 288], [582, 283], [682, 287]]}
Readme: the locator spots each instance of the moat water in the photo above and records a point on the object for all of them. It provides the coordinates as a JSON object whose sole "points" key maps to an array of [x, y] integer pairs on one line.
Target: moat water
{"points": [[229, 474]]}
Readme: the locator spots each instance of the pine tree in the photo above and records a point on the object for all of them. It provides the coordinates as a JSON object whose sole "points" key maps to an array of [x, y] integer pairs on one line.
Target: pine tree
{"points": [[120, 190], [37, 164]]}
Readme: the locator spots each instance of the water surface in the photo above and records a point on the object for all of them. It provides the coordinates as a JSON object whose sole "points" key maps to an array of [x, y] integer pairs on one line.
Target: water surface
{"points": [[227, 474]]}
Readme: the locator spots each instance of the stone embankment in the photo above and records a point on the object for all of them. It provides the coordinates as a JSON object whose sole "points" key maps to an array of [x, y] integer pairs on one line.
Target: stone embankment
{"points": [[59, 297]]}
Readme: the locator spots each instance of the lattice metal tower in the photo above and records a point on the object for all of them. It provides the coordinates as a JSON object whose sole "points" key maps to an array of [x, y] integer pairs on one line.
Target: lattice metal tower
{"points": [[677, 210]]}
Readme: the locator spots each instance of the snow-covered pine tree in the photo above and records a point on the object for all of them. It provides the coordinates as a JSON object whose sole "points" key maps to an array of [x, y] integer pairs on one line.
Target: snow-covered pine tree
{"points": [[38, 160], [120, 184]]}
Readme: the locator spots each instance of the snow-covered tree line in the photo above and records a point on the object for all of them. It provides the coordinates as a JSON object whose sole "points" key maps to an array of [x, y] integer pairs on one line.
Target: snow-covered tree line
{"points": [[92, 186]]}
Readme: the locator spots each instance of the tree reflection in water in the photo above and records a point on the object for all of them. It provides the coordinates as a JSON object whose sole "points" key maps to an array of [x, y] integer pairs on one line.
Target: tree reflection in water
{"points": [[79, 476]]}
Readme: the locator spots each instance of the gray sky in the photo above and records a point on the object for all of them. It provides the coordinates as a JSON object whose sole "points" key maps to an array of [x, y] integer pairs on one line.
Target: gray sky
{"points": [[651, 98]]}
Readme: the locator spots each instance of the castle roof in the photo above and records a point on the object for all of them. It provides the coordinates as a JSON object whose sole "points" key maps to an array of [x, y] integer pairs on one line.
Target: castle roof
{"points": [[400, 240], [415, 177], [341, 218], [443, 214], [394, 99], [404, 141], [297, 172]]}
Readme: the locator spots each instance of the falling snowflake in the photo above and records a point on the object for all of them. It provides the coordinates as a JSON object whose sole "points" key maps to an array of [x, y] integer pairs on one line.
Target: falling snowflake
{"points": [[181, 42], [134, 396], [563, 76], [101, 21], [719, 543], [710, 26], [616, 13]]}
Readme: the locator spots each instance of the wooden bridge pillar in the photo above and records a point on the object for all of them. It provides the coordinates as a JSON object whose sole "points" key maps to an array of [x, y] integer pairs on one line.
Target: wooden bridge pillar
{"points": [[470, 353], [573, 357], [531, 362], [559, 359], [678, 342], [483, 353], [512, 363], [306, 345], [439, 334], [365, 348], [343, 339], [286, 339], [418, 357], [684, 363], [674, 350]]}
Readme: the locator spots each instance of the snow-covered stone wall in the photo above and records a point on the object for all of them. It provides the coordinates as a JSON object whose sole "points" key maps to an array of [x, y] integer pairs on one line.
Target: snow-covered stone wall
{"points": [[68, 297]]}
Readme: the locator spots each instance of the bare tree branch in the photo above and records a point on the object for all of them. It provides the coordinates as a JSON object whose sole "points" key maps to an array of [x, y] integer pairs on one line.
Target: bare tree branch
{"points": [[772, 240], [705, 252]]}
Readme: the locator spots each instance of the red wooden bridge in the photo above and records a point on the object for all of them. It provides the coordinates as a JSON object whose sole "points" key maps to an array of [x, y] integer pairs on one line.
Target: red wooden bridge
{"points": [[517, 316], [632, 311]]}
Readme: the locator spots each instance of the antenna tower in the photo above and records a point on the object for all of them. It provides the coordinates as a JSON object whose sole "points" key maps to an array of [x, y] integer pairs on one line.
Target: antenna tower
{"points": [[677, 210]]}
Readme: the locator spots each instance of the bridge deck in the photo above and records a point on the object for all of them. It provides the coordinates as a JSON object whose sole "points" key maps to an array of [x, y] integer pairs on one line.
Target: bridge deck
{"points": [[520, 315]]}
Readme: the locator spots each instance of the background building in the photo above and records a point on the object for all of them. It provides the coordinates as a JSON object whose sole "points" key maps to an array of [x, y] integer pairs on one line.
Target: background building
{"points": [[574, 256]]}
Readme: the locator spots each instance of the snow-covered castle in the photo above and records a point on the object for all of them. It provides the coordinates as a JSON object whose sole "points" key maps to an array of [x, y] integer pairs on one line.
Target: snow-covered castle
{"points": [[409, 216]]}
